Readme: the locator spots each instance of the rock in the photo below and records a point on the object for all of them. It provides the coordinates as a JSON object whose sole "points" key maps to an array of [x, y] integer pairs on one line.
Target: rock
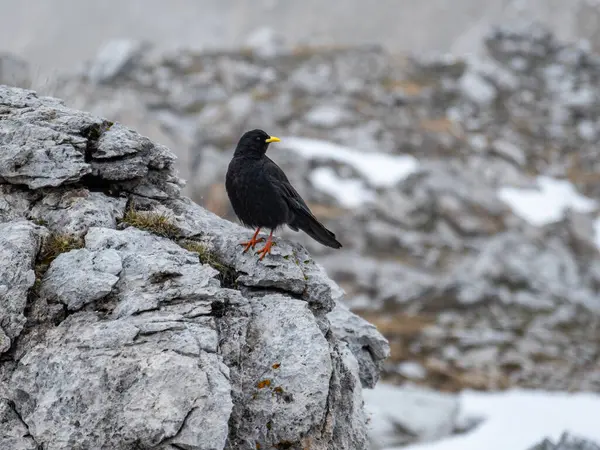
{"points": [[56, 150], [75, 211], [327, 116], [291, 268], [122, 367], [412, 370], [13, 432], [152, 270], [113, 59], [363, 340], [19, 245], [402, 416], [130, 316], [566, 442], [58, 156], [14, 203], [510, 152], [521, 266], [80, 277], [477, 89], [305, 363]]}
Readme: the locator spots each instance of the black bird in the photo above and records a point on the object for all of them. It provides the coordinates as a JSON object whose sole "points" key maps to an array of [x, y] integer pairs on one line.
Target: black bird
{"points": [[262, 196]]}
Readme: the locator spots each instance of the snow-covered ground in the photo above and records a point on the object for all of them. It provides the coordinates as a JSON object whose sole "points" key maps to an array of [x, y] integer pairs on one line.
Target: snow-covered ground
{"points": [[379, 169], [375, 169], [540, 206], [547, 203], [511, 420]]}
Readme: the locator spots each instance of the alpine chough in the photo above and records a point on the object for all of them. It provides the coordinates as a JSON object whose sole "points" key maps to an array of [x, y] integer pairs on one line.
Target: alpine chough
{"points": [[262, 196]]}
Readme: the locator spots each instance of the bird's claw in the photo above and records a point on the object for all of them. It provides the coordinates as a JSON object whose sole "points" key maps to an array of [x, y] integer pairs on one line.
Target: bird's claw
{"points": [[265, 250], [251, 243]]}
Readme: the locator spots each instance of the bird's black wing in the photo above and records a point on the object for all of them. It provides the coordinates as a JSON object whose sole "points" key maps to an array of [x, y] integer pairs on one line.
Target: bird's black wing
{"points": [[303, 217], [280, 182]]}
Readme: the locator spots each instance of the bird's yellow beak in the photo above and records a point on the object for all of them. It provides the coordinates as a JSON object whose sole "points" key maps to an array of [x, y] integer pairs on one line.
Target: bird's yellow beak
{"points": [[272, 139]]}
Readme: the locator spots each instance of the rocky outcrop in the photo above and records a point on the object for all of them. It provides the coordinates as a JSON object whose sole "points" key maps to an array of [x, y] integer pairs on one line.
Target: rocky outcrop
{"points": [[129, 317], [566, 442]]}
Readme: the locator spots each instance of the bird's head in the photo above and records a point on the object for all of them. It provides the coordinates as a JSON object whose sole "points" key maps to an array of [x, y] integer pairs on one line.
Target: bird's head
{"points": [[254, 143]]}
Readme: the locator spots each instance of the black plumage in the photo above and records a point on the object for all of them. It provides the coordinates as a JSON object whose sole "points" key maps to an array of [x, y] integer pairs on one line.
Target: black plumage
{"points": [[262, 196]]}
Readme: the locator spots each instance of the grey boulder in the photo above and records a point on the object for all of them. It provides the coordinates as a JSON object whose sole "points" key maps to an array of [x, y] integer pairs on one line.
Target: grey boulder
{"points": [[131, 319]]}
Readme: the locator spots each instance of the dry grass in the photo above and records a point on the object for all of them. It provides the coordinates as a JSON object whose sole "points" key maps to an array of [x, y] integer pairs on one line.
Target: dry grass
{"points": [[227, 274], [440, 125], [408, 87], [53, 246], [403, 330], [159, 224], [398, 324]]}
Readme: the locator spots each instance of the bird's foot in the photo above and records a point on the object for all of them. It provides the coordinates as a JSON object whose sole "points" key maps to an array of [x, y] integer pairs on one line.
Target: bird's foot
{"points": [[266, 249], [251, 243]]}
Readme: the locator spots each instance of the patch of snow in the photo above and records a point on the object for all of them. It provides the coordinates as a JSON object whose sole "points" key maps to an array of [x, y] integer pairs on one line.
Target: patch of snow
{"points": [[515, 419], [378, 169], [548, 203], [412, 369], [349, 192], [400, 414]]}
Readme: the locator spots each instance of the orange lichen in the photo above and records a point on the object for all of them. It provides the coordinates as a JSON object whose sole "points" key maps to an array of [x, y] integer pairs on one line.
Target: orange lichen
{"points": [[263, 384]]}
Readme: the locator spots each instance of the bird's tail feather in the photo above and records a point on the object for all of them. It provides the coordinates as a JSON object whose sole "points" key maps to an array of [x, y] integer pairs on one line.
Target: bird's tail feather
{"points": [[316, 230]]}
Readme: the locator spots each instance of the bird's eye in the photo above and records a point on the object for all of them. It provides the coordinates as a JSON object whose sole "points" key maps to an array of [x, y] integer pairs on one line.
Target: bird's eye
{"points": [[257, 138]]}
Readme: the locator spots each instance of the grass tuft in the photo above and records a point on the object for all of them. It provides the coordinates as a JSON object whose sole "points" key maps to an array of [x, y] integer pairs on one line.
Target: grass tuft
{"points": [[226, 273], [159, 224], [53, 246]]}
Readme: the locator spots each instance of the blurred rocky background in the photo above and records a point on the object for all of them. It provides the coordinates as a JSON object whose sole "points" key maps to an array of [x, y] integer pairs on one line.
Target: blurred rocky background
{"points": [[451, 146]]}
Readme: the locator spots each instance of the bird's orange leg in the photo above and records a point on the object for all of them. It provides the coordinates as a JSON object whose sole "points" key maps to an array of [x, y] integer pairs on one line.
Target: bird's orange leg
{"points": [[252, 242], [267, 248]]}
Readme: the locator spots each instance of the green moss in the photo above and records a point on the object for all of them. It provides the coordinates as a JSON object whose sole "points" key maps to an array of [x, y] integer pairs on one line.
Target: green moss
{"points": [[162, 225], [53, 246], [40, 222], [226, 273], [159, 224]]}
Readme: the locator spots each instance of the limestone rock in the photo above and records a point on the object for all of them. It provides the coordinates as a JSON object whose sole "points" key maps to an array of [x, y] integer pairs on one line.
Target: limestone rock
{"points": [[566, 442], [19, 245], [144, 325], [13, 432]]}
